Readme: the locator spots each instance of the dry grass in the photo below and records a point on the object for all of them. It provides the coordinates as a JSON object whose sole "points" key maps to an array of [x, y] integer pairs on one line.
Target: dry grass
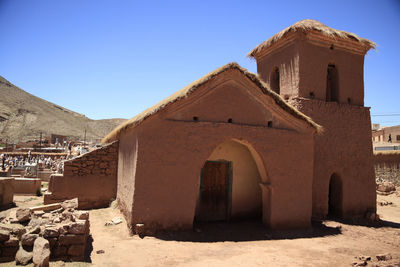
{"points": [[186, 91], [307, 25]]}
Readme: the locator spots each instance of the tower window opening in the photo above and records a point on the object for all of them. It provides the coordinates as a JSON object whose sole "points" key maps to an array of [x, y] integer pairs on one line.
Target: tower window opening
{"points": [[332, 86], [275, 80], [195, 118], [269, 124]]}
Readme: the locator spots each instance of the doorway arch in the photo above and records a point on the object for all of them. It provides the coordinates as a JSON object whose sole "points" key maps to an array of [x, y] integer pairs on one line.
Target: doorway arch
{"points": [[335, 198], [231, 173]]}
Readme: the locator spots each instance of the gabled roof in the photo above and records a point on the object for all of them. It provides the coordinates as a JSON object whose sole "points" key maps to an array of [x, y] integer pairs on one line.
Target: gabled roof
{"points": [[186, 91], [309, 25]]}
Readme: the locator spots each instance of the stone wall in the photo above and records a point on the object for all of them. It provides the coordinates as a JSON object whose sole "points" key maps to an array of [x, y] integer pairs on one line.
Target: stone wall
{"points": [[92, 178], [387, 167]]}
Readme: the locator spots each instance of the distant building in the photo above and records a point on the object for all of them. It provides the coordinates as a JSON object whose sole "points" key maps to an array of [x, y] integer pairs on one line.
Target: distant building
{"points": [[382, 135]]}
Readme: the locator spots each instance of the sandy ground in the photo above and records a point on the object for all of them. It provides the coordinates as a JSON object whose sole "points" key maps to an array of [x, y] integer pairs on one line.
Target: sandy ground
{"points": [[329, 243]]}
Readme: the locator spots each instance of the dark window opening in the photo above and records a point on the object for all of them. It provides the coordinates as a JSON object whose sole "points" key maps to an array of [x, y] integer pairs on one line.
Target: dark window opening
{"points": [[331, 47], [229, 120], [332, 86], [195, 118], [269, 124], [349, 100], [398, 138], [312, 96], [275, 80]]}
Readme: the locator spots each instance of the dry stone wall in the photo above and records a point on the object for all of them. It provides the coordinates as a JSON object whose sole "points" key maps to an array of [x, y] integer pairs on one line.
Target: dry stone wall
{"points": [[92, 178], [387, 167]]}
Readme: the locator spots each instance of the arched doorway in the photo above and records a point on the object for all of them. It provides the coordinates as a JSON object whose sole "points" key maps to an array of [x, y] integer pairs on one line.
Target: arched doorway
{"points": [[229, 185], [335, 196]]}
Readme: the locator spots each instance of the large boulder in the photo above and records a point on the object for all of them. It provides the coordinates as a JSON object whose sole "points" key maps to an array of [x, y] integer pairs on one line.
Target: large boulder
{"points": [[23, 257], [41, 252], [23, 214]]}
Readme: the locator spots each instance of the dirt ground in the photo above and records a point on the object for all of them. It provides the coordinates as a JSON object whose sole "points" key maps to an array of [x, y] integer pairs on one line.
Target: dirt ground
{"points": [[329, 243]]}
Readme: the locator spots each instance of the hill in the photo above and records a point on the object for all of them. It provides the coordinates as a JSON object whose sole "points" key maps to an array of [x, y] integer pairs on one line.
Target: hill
{"points": [[24, 116]]}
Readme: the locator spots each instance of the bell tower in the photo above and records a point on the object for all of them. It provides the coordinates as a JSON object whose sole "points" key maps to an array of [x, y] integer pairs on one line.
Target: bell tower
{"points": [[319, 70]]}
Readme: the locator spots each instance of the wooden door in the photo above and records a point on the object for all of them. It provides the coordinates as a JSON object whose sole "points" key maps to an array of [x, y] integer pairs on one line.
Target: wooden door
{"points": [[214, 199]]}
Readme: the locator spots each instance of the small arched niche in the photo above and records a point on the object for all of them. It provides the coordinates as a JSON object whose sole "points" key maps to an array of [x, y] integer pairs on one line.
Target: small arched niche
{"points": [[274, 80], [230, 184], [335, 198]]}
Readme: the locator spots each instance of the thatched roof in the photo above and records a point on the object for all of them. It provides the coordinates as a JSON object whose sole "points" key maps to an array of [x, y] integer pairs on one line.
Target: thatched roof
{"points": [[309, 25], [186, 91]]}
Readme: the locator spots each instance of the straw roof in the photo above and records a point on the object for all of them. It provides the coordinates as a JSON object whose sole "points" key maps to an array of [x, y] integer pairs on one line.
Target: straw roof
{"points": [[186, 91], [309, 25]]}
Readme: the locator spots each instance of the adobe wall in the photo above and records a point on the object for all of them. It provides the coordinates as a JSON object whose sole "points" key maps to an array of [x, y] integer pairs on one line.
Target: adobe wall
{"points": [[92, 178], [343, 148], [166, 152], [314, 60], [303, 70], [27, 186], [287, 60], [6, 191]]}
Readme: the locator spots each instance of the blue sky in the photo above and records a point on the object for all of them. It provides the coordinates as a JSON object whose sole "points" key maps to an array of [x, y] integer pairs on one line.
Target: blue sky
{"points": [[113, 59]]}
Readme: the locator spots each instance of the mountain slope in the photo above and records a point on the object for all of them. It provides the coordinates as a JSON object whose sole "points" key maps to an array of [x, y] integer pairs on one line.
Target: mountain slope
{"points": [[24, 116]]}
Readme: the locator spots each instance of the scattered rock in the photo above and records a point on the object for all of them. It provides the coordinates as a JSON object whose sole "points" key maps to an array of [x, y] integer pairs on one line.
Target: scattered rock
{"points": [[23, 257], [100, 251], [385, 203], [38, 213], [41, 252], [386, 188], [81, 214], [364, 258], [70, 204], [139, 229], [4, 235], [23, 214], [116, 220], [360, 263], [384, 257]]}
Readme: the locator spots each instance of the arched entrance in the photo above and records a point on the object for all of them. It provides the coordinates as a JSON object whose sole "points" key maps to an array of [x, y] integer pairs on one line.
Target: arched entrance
{"points": [[230, 184], [335, 196]]}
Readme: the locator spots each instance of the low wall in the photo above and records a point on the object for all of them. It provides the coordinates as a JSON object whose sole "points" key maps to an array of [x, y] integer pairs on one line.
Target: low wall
{"points": [[27, 186], [6, 191], [92, 178], [387, 167]]}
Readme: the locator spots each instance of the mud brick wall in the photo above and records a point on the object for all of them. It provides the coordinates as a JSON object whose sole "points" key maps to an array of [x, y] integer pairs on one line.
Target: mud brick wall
{"points": [[387, 167], [92, 178]]}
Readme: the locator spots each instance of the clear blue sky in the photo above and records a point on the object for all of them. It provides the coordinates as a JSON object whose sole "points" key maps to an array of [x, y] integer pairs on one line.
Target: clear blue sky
{"points": [[113, 59]]}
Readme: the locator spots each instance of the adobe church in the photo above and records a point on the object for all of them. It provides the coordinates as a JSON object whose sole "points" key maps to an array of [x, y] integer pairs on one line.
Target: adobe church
{"points": [[285, 146]]}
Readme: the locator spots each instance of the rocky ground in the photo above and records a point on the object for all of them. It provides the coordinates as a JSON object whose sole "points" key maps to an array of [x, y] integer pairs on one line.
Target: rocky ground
{"points": [[329, 243]]}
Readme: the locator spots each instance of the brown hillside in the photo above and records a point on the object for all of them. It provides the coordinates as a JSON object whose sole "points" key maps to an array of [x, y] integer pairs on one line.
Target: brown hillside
{"points": [[23, 116]]}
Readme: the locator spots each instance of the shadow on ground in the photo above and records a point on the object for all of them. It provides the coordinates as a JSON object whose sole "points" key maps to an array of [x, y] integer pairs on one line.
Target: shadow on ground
{"points": [[245, 231], [366, 223]]}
